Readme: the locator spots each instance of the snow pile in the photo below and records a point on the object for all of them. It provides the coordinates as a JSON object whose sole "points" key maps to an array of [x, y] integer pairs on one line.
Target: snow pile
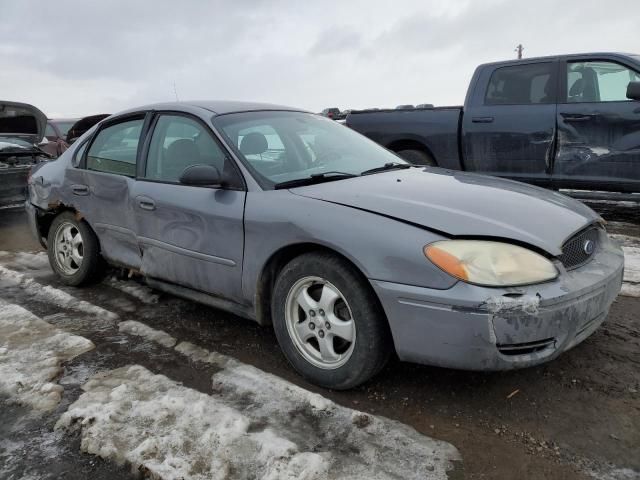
{"points": [[255, 425], [31, 354], [142, 293], [49, 294], [140, 329]]}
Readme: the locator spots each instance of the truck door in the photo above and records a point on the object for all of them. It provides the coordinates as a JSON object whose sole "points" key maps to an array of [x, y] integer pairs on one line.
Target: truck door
{"points": [[598, 127], [509, 126]]}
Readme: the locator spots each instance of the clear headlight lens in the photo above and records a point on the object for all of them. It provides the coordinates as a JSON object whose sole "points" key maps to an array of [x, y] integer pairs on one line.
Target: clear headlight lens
{"points": [[493, 264]]}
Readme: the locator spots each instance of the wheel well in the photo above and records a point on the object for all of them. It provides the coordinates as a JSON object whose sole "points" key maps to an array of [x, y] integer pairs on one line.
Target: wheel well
{"points": [[44, 218], [274, 266], [399, 145]]}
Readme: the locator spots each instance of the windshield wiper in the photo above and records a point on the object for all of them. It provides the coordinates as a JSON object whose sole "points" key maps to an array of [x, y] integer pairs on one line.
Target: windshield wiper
{"points": [[313, 179], [387, 166]]}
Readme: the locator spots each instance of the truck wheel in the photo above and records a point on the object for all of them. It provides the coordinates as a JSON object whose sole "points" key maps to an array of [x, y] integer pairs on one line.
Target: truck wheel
{"points": [[328, 322], [417, 157], [73, 250]]}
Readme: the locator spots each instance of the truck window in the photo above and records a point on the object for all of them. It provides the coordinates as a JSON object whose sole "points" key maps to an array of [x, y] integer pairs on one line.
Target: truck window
{"points": [[589, 82], [521, 85]]}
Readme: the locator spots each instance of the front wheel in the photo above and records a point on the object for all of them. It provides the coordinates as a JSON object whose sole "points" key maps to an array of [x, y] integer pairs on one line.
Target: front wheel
{"points": [[329, 322], [73, 250]]}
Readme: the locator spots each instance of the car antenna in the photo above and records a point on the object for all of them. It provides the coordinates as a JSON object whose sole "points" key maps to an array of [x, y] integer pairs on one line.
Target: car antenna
{"points": [[175, 91]]}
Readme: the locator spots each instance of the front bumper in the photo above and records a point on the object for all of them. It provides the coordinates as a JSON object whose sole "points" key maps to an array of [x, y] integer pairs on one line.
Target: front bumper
{"points": [[480, 328]]}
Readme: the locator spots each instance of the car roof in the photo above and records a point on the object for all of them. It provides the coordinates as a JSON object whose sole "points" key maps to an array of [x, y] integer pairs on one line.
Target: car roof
{"points": [[217, 107], [568, 56]]}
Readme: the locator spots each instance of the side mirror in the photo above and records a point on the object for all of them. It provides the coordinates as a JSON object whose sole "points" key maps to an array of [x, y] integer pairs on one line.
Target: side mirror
{"points": [[633, 91], [201, 175]]}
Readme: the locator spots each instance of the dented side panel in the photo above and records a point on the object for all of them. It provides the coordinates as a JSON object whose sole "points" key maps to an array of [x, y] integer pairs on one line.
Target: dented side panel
{"points": [[598, 146]]}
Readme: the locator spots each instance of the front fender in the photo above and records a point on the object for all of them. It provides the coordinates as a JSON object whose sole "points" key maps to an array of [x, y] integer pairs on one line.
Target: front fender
{"points": [[381, 248]]}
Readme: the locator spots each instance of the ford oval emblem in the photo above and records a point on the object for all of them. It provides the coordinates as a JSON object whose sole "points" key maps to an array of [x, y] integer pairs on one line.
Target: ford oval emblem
{"points": [[588, 247]]}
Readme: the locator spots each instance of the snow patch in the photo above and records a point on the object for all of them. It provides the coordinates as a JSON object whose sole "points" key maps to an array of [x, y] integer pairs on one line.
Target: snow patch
{"points": [[254, 426], [26, 260], [31, 355], [142, 293], [159, 426], [140, 329], [49, 294], [272, 428], [631, 280]]}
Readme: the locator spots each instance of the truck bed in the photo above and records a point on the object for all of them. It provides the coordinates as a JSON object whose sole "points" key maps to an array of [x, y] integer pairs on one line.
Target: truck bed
{"points": [[433, 130]]}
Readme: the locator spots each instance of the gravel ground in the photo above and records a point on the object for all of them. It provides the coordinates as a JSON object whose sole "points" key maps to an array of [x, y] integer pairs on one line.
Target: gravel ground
{"points": [[576, 417]]}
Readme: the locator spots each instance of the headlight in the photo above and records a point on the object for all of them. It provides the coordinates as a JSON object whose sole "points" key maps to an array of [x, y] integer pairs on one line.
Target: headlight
{"points": [[493, 264]]}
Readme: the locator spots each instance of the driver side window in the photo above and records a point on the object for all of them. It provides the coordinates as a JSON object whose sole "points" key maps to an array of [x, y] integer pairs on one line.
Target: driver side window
{"points": [[177, 143], [591, 82]]}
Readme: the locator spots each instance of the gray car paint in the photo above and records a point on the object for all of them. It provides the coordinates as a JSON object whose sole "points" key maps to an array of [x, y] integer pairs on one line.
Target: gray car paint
{"points": [[379, 222]]}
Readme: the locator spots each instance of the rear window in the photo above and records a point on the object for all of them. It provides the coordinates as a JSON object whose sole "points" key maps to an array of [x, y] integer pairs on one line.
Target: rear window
{"points": [[521, 85]]}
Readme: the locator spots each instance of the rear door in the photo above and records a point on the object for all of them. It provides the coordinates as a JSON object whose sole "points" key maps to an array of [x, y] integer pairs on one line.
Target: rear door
{"points": [[509, 128], [599, 128], [190, 236], [101, 187]]}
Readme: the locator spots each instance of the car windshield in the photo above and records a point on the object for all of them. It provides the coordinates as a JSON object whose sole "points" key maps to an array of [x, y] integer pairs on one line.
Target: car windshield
{"points": [[286, 146]]}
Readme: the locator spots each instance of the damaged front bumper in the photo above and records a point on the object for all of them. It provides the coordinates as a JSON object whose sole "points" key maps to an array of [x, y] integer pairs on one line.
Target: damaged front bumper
{"points": [[479, 328]]}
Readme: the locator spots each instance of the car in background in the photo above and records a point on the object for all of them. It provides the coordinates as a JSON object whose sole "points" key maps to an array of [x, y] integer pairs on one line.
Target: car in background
{"points": [[405, 107], [350, 253], [83, 125], [55, 135], [566, 121], [424, 105], [22, 128], [57, 128], [333, 113]]}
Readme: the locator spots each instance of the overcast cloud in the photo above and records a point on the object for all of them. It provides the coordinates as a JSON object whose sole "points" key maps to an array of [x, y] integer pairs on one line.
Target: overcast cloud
{"points": [[73, 58]]}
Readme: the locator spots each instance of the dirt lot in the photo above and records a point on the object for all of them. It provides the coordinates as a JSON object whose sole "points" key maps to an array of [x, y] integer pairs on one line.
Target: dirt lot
{"points": [[577, 417]]}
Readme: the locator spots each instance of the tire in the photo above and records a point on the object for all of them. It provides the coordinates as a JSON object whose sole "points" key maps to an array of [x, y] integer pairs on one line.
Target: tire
{"points": [[79, 262], [357, 311], [417, 157]]}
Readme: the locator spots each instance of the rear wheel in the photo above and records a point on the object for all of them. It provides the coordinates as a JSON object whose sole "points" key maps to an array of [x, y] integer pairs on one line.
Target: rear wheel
{"points": [[73, 250], [328, 322], [417, 157]]}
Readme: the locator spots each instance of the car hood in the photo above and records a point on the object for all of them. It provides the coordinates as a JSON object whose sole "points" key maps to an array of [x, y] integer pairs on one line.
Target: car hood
{"points": [[462, 204], [83, 125], [21, 121]]}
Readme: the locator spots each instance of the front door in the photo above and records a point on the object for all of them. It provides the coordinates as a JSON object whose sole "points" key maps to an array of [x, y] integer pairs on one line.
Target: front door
{"points": [[598, 128], [191, 236], [509, 131]]}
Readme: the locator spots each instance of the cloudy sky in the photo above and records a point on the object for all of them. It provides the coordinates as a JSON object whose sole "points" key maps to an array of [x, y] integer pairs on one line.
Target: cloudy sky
{"points": [[74, 58]]}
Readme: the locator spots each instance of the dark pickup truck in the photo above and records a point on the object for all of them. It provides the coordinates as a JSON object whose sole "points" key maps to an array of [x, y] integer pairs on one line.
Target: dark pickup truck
{"points": [[566, 121]]}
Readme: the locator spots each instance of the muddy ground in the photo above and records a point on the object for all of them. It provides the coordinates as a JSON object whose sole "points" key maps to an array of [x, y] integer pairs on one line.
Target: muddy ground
{"points": [[576, 417]]}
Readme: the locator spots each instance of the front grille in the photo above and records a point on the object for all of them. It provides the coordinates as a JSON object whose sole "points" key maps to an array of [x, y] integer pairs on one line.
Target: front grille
{"points": [[574, 251]]}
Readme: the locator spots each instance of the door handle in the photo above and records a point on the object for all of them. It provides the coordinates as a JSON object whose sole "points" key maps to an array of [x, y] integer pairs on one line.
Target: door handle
{"points": [[80, 189], [146, 203], [482, 119], [577, 118]]}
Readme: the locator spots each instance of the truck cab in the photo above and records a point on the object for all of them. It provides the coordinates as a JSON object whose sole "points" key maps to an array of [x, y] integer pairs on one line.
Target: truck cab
{"points": [[558, 122]]}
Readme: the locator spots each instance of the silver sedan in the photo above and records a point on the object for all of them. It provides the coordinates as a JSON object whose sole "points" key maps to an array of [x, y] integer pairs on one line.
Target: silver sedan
{"points": [[347, 251]]}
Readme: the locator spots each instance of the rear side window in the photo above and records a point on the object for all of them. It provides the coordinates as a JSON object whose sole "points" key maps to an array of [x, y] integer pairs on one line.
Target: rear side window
{"points": [[521, 85], [115, 148]]}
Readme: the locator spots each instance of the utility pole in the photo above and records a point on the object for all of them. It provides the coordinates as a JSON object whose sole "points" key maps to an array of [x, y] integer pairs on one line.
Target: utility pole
{"points": [[519, 49]]}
